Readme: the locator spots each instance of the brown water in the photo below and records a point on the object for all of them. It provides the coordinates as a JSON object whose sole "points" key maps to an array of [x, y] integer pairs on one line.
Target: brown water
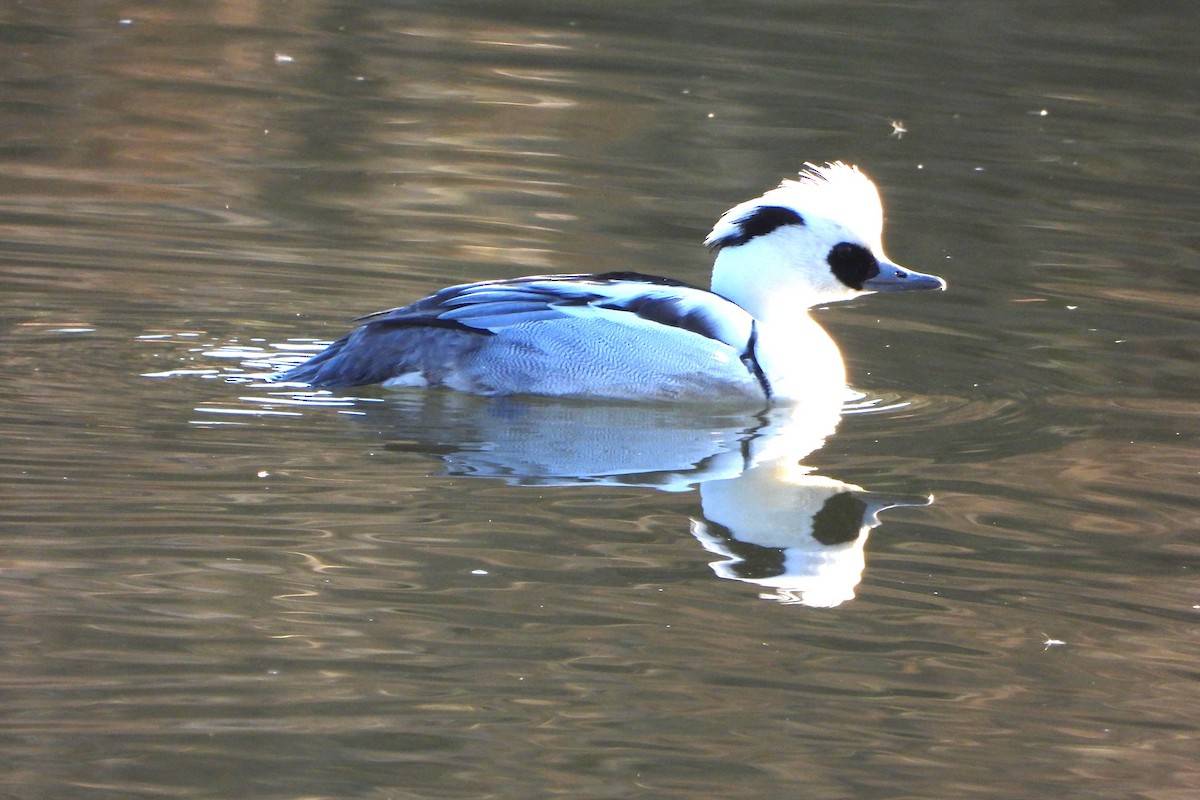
{"points": [[218, 588]]}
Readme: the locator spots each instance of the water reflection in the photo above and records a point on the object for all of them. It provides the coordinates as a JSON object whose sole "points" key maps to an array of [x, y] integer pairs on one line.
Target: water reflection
{"points": [[775, 524], [801, 535]]}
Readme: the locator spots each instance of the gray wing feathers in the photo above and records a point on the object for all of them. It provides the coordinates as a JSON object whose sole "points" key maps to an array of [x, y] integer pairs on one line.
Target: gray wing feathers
{"points": [[434, 336]]}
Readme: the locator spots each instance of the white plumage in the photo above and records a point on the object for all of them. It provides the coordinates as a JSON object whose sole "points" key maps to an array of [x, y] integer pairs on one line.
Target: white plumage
{"points": [[632, 336]]}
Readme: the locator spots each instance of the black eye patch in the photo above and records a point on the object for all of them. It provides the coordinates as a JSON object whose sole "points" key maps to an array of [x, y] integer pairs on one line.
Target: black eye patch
{"points": [[758, 222], [840, 520], [852, 264]]}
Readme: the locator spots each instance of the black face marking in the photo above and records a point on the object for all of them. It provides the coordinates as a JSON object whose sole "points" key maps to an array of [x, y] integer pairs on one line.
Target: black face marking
{"points": [[852, 264], [754, 562], [758, 222], [840, 520]]}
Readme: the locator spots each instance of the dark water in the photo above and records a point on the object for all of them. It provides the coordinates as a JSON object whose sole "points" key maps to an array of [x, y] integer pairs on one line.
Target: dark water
{"points": [[217, 588]]}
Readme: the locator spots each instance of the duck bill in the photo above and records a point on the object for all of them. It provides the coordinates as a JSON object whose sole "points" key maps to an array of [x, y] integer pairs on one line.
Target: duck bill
{"points": [[895, 278]]}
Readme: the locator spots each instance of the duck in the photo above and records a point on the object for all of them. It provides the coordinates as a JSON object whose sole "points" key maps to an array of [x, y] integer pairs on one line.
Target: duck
{"points": [[749, 337]]}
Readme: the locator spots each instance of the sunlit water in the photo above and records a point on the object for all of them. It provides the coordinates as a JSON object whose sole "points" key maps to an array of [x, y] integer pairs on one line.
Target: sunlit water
{"points": [[975, 580]]}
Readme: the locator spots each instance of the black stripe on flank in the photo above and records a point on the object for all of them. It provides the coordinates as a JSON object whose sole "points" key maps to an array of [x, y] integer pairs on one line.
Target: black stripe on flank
{"points": [[426, 322], [636, 277], [758, 222], [668, 311]]}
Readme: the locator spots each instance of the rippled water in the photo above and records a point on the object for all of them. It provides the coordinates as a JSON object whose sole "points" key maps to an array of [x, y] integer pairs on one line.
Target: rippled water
{"points": [[217, 587]]}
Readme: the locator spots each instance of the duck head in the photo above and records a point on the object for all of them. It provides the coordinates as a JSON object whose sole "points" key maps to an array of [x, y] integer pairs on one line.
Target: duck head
{"points": [[817, 239]]}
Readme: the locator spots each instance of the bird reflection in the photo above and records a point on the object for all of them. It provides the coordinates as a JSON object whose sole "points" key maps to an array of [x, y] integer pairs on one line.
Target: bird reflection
{"points": [[775, 524], [802, 536]]}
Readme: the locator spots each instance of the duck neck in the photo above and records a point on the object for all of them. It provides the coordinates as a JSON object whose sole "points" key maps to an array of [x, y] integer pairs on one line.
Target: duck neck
{"points": [[797, 357]]}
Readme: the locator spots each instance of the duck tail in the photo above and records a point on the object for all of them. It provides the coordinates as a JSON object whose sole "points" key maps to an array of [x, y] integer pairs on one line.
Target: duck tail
{"points": [[334, 367], [380, 351]]}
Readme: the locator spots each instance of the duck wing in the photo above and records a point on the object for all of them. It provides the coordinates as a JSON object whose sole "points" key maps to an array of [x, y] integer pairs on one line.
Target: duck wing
{"points": [[427, 338], [492, 306]]}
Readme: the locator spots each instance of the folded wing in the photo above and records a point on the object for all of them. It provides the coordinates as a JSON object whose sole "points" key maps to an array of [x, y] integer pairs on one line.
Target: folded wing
{"points": [[430, 341]]}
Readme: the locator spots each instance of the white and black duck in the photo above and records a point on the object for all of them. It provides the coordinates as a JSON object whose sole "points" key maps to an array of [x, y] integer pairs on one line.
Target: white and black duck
{"points": [[630, 336]]}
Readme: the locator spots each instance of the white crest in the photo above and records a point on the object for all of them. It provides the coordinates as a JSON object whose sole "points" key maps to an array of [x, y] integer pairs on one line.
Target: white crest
{"points": [[836, 191]]}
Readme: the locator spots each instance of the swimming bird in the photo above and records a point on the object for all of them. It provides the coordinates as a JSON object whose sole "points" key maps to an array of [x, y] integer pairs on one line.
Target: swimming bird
{"points": [[624, 335]]}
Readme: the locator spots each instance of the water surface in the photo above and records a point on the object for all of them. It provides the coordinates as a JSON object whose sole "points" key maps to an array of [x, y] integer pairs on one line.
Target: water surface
{"points": [[219, 588]]}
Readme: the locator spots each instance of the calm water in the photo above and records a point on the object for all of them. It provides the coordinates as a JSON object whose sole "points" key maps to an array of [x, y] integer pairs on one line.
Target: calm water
{"points": [[217, 588]]}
